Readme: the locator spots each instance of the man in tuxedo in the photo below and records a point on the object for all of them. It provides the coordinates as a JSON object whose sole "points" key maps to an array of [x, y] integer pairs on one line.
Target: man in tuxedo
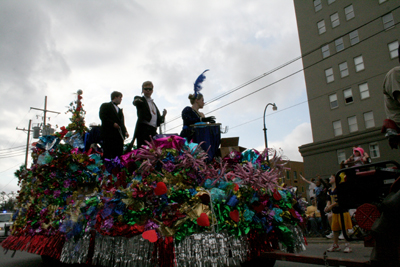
{"points": [[113, 130], [149, 117]]}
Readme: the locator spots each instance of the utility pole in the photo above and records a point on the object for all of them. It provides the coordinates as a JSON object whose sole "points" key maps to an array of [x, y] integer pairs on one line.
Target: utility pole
{"points": [[29, 128], [45, 111], [27, 142]]}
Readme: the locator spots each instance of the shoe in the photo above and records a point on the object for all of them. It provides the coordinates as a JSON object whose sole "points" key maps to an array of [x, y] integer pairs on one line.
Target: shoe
{"points": [[330, 235], [347, 248], [341, 237], [333, 248], [351, 231]]}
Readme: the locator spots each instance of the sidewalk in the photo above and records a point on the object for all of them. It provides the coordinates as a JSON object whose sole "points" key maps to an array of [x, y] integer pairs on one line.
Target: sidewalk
{"points": [[313, 240]]}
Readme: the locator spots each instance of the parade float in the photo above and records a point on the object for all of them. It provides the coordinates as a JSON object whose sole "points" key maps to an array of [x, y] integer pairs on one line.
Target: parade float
{"points": [[166, 204]]}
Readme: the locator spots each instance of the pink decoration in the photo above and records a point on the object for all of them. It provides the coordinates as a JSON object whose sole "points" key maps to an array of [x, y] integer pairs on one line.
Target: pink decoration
{"points": [[173, 141]]}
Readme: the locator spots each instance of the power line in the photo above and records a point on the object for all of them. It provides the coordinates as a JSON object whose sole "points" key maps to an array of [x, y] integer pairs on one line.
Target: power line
{"points": [[12, 148], [283, 65], [11, 156], [10, 168], [284, 78], [311, 99]]}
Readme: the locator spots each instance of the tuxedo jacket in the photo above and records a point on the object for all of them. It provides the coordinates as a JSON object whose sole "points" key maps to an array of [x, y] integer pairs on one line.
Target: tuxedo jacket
{"points": [[144, 113], [109, 116]]}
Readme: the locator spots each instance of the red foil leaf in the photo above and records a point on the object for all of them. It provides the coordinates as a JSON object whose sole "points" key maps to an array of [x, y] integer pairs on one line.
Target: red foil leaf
{"points": [[150, 235], [160, 189], [203, 220], [234, 215]]}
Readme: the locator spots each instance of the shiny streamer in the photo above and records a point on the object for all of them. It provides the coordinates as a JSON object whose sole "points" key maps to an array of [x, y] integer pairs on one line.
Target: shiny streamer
{"points": [[298, 239], [123, 252], [76, 251], [210, 249]]}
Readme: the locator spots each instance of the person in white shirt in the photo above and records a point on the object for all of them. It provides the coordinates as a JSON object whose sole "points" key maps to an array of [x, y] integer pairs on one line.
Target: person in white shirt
{"points": [[149, 117], [311, 187]]}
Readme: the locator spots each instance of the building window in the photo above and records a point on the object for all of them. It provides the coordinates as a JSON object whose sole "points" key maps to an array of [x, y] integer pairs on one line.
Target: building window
{"points": [[354, 37], [349, 11], [333, 101], [374, 150], [348, 96], [388, 21], [329, 75], [337, 128], [369, 119], [364, 90], [294, 175], [331, 1], [344, 70], [317, 5], [359, 63], [353, 127], [339, 44], [393, 49], [325, 51], [341, 156], [321, 27], [288, 175], [335, 20]]}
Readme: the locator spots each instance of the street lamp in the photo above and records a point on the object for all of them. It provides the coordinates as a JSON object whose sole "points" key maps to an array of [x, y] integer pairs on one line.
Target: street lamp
{"points": [[274, 107]]}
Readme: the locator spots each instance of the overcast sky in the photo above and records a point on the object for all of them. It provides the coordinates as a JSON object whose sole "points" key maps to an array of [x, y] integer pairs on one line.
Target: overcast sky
{"points": [[53, 48]]}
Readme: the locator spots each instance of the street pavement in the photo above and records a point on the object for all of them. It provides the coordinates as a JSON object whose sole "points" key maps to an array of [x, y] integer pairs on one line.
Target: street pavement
{"points": [[316, 247]]}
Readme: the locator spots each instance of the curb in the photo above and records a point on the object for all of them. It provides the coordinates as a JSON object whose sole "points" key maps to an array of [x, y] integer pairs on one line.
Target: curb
{"points": [[313, 240]]}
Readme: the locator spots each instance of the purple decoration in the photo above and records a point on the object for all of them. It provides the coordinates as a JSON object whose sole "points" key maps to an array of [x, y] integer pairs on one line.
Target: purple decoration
{"points": [[198, 82]]}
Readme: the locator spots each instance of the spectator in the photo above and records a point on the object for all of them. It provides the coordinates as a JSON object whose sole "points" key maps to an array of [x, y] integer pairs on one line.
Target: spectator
{"points": [[336, 226], [321, 190], [311, 187], [358, 158], [314, 219]]}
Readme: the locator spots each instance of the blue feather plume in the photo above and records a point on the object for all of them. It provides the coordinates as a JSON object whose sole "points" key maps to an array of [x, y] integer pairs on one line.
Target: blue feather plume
{"points": [[197, 83]]}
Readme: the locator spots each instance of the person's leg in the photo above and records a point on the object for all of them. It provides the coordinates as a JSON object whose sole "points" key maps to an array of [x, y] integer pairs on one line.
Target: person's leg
{"points": [[329, 215], [142, 134], [335, 247], [318, 226], [313, 226], [324, 221]]}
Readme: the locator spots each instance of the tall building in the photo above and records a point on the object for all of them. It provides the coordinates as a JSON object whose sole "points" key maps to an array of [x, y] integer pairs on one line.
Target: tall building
{"points": [[347, 48]]}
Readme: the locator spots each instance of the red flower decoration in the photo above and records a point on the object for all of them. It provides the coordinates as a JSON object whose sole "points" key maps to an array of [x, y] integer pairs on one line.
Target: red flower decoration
{"points": [[259, 208], [236, 188], [234, 215], [160, 189], [203, 220], [150, 235], [276, 195]]}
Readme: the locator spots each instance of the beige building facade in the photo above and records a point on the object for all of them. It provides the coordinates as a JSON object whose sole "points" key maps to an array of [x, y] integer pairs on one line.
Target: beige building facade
{"points": [[291, 177], [347, 48]]}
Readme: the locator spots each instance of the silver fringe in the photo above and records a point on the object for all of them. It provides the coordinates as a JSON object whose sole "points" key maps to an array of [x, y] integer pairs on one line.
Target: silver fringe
{"points": [[122, 251], [75, 252], [210, 250], [298, 237]]}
